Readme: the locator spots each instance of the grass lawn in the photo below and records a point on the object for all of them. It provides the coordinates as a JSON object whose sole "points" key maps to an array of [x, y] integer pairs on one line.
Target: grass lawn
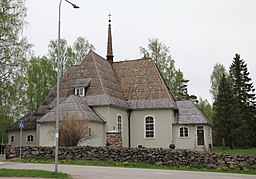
{"points": [[31, 173], [234, 151], [137, 165]]}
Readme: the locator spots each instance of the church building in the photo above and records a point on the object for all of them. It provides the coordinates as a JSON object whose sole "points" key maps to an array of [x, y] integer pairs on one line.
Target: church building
{"points": [[127, 101]]}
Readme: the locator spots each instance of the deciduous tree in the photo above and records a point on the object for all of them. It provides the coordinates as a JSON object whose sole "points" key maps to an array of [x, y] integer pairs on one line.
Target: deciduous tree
{"points": [[73, 130], [40, 78], [206, 108], [174, 78], [216, 76], [14, 50], [69, 55], [81, 47]]}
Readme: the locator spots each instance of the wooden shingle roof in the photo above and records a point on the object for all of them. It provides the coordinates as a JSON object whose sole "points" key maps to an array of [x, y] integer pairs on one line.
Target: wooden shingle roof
{"points": [[142, 85], [135, 84], [189, 113], [96, 73], [29, 124], [75, 106]]}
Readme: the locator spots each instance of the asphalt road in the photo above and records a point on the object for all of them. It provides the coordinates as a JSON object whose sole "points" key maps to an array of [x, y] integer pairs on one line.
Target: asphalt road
{"points": [[89, 172]]}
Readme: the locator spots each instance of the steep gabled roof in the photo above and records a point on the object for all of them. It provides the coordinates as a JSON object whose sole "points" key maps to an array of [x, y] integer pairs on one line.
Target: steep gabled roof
{"points": [[29, 124], [96, 73], [142, 85], [189, 113], [75, 106]]}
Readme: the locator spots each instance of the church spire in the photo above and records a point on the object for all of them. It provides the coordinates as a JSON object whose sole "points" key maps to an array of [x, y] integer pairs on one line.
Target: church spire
{"points": [[109, 47]]}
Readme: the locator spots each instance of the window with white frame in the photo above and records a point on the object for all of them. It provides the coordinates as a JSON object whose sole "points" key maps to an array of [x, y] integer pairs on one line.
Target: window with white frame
{"points": [[184, 132], [12, 139], [30, 138], [149, 127], [80, 91], [119, 123]]}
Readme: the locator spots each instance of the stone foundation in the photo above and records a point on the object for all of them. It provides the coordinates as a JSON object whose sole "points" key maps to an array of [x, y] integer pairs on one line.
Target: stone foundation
{"points": [[114, 139]]}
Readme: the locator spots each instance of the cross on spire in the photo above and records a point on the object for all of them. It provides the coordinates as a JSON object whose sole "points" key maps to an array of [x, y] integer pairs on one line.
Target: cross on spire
{"points": [[109, 17], [109, 44]]}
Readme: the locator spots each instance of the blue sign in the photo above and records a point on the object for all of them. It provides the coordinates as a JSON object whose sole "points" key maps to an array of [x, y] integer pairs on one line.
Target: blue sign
{"points": [[21, 125]]}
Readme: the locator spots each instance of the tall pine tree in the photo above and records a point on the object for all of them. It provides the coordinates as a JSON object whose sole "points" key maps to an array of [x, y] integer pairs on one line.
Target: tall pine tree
{"points": [[245, 94], [225, 118]]}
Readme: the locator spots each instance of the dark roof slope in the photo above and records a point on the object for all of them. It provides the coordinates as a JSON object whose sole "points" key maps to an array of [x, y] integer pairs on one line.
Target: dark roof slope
{"points": [[189, 113], [142, 85], [75, 106], [29, 124], [96, 73]]}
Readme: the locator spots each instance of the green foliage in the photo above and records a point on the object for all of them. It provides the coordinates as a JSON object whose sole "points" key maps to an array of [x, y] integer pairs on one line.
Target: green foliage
{"points": [[81, 48], [245, 95], [218, 71], [14, 50], [234, 107], [251, 151], [174, 78], [40, 78], [32, 173], [68, 55], [206, 108], [5, 122], [226, 116]]}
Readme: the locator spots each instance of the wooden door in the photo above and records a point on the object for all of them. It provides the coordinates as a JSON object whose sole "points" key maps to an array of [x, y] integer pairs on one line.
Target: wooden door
{"points": [[200, 137]]}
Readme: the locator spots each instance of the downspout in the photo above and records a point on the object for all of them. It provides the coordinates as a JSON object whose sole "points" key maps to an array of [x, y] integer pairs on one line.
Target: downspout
{"points": [[129, 127]]}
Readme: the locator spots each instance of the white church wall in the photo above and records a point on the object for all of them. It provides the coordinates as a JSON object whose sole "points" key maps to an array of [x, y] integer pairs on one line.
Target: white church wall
{"points": [[16, 138], [110, 115], [163, 119]]}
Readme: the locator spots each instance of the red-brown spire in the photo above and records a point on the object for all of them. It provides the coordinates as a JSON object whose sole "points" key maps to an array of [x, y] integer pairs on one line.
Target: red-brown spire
{"points": [[109, 47]]}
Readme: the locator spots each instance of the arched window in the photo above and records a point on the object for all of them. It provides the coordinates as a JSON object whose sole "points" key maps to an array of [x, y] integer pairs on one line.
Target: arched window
{"points": [[149, 127], [12, 139], [119, 123], [183, 132], [30, 138], [90, 131]]}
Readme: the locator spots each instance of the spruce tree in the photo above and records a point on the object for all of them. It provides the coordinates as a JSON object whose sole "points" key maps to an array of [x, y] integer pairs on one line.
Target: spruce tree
{"points": [[225, 118], [244, 93]]}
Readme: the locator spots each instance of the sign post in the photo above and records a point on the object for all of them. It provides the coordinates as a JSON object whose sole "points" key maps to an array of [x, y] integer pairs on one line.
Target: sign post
{"points": [[21, 126]]}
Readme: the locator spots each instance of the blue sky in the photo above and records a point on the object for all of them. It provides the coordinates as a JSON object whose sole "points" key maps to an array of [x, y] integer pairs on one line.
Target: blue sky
{"points": [[200, 33]]}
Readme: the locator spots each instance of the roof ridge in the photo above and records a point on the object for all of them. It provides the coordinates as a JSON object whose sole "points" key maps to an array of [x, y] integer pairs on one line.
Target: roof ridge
{"points": [[201, 112], [78, 104], [97, 70], [131, 60], [169, 92]]}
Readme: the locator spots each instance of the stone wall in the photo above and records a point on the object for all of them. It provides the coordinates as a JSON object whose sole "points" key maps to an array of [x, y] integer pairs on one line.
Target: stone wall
{"points": [[153, 156]]}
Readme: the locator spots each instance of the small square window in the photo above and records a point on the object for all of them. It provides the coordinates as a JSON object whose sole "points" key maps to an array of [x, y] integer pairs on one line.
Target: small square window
{"points": [[80, 91]]}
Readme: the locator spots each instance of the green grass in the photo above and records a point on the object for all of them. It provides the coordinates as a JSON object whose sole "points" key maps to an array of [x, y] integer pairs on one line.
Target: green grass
{"points": [[251, 151], [32, 173], [138, 165]]}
